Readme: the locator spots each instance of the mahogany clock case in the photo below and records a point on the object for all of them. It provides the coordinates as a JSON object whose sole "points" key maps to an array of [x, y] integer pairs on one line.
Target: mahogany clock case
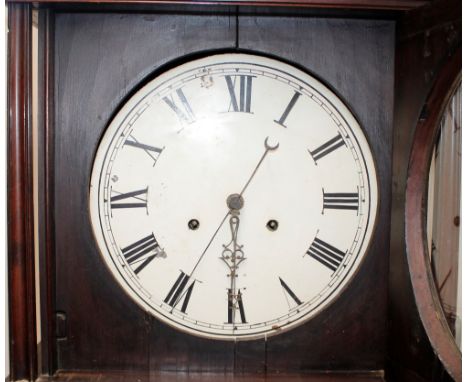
{"points": [[96, 61]]}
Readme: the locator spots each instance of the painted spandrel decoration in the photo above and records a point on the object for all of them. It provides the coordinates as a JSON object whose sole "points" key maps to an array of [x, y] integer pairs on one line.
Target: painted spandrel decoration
{"points": [[233, 197]]}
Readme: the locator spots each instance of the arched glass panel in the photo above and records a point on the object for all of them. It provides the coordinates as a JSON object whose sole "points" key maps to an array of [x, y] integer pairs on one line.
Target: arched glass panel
{"points": [[443, 215]]}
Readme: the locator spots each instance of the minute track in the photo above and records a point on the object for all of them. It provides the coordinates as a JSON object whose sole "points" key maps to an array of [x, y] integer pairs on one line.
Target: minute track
{"points": [[192, 313]]}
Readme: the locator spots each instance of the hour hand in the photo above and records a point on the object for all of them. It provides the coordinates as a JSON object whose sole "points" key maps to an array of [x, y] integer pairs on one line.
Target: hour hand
{"points": [[233, 253], [232, 256]]}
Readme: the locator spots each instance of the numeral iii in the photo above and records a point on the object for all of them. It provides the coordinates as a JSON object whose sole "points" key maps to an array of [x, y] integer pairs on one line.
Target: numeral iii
{"points": [[340, 200]]}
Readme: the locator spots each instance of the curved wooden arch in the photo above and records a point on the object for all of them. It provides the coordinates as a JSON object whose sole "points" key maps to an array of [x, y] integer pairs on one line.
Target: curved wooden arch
{"points": [[427, 299]]}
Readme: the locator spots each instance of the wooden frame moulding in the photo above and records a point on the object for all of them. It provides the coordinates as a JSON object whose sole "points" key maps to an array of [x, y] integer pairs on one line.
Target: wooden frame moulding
{"points": [[48, 362], [20, 210], [425, 291], [345, 4]]}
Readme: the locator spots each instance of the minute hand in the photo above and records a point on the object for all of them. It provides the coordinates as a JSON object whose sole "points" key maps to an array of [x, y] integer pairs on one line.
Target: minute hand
{"points": [[268, 148]]}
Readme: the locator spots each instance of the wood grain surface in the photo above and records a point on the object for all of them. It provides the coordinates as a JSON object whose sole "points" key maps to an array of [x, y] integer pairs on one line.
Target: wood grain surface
{"points": [[355, 58], [210, 377], [101, 58], [349, 4]]}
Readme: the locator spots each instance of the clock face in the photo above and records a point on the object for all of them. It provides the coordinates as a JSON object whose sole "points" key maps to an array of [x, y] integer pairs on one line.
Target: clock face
{"points": [[233, 197]]}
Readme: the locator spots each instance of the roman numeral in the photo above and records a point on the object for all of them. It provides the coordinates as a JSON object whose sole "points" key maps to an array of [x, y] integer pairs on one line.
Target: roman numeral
{"points": [[181, 107], [243, 103], [327, 147], [178, 292], [340, 200], [235, 303], [152, 151], [288, 109], [326, 254], [142, 252], [134, 199], [291, 294]]}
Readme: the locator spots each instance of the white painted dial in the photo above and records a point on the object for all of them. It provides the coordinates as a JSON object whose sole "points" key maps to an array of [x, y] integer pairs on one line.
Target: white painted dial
{"points": [[202, 132]]}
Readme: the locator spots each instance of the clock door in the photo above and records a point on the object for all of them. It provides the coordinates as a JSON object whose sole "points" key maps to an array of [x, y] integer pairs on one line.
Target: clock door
{"points": [[323, 47], [101, 60], [104, 328]]}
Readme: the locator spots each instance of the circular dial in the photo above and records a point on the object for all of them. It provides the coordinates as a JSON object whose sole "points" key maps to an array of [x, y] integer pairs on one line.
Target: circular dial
{"points": [[233, 196]]}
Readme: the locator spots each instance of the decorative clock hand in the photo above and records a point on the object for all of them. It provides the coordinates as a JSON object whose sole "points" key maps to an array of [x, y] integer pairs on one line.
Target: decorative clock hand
{"points": [[232, 256], [233, 199]]}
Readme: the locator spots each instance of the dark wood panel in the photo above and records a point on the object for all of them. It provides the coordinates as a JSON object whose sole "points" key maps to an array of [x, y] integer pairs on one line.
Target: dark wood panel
{"points": [[355, 58], [105, 56], [100, 59], [174, 351], [349, 4], [211, 377], [20, 198], [251, 357]]}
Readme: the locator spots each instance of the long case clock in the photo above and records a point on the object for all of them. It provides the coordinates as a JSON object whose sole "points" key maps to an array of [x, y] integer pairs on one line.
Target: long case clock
{"points": [[95, 63]]}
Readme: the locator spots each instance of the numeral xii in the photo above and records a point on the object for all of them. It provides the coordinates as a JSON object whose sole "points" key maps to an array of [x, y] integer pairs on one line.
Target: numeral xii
{"points": [[243, 102]]}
